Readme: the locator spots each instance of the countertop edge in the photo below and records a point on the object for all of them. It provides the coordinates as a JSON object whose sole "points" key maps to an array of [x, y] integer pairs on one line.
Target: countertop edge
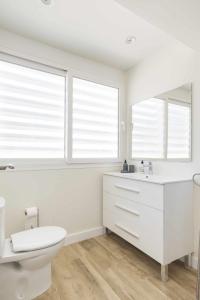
{"points": [[147, 179]]}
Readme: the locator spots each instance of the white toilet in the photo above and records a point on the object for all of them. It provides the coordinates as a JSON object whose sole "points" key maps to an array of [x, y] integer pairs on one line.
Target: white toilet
{"points": [[25, 260]]}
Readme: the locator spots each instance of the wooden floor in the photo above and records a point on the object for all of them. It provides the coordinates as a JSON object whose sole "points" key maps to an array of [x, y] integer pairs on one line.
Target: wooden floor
{"points": [[107, 267]]}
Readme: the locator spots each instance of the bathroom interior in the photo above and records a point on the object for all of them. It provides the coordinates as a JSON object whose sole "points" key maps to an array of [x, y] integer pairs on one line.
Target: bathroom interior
{"points": [[99, 150]]}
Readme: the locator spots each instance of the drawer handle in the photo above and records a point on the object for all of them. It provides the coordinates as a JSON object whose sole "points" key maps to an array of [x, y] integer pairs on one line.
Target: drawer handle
{"points": [[128, 231], [134, 212], [127, 188]]}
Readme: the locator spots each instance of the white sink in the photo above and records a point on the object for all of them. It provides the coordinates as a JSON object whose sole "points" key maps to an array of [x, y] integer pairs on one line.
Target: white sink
{"points": [[159, 179]]}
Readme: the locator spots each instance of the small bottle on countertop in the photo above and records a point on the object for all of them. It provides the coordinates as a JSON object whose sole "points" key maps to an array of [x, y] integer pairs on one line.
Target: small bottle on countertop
{"points": [[131, 168], [125, 167], [141, 167]]}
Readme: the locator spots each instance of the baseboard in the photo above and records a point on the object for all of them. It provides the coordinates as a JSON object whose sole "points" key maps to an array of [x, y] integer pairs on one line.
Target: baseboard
{"points": [[84, 235], [194, 262]]}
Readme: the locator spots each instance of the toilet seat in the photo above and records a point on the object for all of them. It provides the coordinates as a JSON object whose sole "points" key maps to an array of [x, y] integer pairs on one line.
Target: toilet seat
{"points": [[37, 238], [9, 255]]}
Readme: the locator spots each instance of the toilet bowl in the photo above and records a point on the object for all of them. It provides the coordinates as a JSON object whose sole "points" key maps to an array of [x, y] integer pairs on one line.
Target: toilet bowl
{"points": [[25, 260]]}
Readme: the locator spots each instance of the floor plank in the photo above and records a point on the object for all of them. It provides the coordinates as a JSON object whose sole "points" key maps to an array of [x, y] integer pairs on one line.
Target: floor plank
{"points": [[109, 268]]}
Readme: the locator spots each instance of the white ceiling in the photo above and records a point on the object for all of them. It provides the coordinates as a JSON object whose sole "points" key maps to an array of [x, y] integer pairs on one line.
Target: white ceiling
{"points": [[179, 18], [95, 29]]}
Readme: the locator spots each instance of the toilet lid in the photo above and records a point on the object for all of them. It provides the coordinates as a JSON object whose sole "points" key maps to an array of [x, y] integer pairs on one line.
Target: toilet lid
{"points": [[37, 238]]}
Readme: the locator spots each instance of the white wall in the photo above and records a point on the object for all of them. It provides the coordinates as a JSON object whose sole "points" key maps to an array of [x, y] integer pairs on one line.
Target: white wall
{"points": [[70, 197], [165, 70], [169, 68]]}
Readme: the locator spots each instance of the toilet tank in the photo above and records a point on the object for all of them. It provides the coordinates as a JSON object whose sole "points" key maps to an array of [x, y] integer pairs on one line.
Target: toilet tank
{"points": [[2, 225]]}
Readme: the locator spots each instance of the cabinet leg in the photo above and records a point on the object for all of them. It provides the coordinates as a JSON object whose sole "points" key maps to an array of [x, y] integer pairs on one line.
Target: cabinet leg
{"points": [[187, 261], [108, 231], [164, 273]]}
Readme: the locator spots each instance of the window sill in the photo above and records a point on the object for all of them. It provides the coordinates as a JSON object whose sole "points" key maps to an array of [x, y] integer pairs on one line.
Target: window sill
{"points": [[31, 165], [174, 160]]}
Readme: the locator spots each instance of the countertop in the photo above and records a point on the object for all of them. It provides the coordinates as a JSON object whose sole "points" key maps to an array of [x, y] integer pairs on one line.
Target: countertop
{"points": [[158, 179]]}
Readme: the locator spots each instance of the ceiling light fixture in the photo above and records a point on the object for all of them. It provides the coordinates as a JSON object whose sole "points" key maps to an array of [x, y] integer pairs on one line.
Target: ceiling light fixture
{"points": [[130, 39], [47, 2]]}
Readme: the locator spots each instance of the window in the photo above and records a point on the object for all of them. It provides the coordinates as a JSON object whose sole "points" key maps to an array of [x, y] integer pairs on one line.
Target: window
{"points": [[148, 129], [94, 121], [32, 112], [155, 138], [179, 130], [33, 116]]}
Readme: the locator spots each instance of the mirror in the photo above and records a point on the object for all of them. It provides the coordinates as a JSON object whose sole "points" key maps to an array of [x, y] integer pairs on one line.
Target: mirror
{"points": [[161, 126]]}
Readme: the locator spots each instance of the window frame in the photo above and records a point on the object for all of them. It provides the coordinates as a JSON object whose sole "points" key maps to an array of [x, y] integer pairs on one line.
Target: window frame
{"points": [[34, 162], [165, 136], [72, 160], [66, 161]]}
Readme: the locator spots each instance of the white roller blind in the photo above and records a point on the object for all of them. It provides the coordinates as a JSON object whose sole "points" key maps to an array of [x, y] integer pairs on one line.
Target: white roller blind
{"points": [[148, 129], [31, 113], [95, 120], [179, 130]]}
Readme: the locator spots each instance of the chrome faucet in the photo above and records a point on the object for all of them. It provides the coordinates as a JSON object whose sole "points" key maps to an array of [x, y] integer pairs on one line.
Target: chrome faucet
{"points": [[5, 167]]}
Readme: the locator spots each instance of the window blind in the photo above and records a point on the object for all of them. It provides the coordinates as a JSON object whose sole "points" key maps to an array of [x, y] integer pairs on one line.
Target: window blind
{"points": [[148, 129], [32, 105], [179, 130], [95, 121]]}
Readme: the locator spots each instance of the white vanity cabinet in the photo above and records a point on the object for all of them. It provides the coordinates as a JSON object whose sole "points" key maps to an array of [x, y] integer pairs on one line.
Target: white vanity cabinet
{"points": [[153, 214]]}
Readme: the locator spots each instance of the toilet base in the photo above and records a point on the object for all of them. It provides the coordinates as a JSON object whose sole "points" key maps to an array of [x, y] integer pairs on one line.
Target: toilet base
{"points": [[19, 284]]}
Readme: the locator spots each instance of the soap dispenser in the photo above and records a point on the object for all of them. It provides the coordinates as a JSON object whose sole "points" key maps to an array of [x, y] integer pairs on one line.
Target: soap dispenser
{"points": [[141, 167], [125, 167]]}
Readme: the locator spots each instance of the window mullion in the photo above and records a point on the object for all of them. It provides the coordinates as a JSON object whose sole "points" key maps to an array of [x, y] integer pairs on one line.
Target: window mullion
{"points": [[66, 119], [69, 117], [166, 129]]}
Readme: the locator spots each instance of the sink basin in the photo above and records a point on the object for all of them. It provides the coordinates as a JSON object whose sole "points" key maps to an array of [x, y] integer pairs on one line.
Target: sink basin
{"points": [[159, 179], [138, 175]]}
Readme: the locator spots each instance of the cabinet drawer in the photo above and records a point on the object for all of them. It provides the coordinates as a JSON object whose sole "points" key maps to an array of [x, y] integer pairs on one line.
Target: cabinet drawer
{"points": [[123, 213], [122, 187], [144, 192], [114, 202], [130, 234], [137, 223]]}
